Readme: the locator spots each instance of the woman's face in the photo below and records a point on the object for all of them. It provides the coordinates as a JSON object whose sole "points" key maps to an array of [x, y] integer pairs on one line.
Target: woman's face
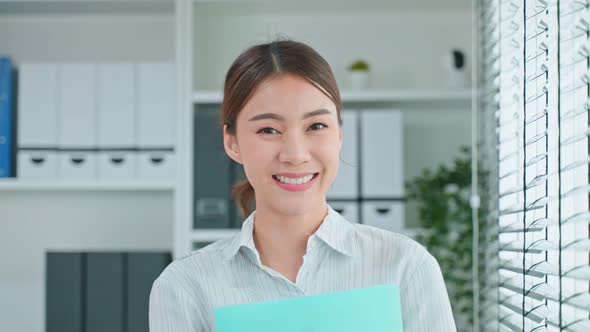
{"points": [[287, 132]]}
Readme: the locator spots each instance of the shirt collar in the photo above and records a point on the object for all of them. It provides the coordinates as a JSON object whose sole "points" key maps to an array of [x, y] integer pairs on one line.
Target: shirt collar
{"points": [[335, 231]]}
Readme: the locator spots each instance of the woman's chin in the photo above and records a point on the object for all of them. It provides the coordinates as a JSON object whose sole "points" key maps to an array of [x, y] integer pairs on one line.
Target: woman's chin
{"points": [[294, 207]]}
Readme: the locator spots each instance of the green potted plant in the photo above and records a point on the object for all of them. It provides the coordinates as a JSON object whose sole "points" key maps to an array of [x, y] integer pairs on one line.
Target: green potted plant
{"points": [[445, 216], [358, 75]]}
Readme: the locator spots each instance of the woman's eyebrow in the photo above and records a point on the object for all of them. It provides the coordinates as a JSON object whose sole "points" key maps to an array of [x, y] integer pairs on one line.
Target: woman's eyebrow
{"points": [[281, 118]]}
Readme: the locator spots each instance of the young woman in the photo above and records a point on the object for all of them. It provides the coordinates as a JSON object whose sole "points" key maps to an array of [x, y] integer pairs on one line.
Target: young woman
{"points": [[281, 120]]}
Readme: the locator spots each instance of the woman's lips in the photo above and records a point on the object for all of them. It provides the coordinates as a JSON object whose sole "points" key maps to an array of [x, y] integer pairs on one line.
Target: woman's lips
{"points": [[296, 187]]}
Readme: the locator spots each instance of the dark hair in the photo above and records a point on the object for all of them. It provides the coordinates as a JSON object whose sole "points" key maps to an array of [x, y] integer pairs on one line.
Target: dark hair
{"points": [[255, 65]]}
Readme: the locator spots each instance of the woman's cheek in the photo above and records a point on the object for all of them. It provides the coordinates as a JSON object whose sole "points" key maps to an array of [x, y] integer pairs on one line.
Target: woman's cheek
{"points": [[328, 147]]}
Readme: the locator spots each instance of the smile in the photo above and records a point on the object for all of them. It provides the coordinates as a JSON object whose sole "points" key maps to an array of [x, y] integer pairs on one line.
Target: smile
{"points": [[295, 184]]}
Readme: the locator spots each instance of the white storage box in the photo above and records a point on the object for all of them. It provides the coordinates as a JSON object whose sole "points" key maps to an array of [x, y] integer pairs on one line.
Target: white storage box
{"points": [[156, 164], [77, 165], [37, 164], [388, 215], [348, 210], [119, 165]]}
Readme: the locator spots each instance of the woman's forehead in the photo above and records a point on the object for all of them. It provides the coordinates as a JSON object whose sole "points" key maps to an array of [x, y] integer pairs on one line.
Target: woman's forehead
{"points": [[289, 96]]}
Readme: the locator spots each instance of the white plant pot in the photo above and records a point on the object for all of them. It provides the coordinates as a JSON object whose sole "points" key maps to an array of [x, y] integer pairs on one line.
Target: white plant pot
{"points": [[358, 79]]}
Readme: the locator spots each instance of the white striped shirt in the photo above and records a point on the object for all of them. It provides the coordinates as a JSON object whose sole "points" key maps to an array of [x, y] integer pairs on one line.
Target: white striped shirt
{"points": [[340, 256]]}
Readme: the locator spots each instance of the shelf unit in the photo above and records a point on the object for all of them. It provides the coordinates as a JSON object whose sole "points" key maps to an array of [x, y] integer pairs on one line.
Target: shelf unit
{"points": [[206, 45], [77, 215]]}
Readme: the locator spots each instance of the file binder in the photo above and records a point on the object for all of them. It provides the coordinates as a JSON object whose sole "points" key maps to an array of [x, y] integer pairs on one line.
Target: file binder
{"points": [[64, 298], [156, 105], [371, 309], [6, 119], [382, 156], [104, 292], [142, 271], [117, 116], [212, 173], [77, 121]]}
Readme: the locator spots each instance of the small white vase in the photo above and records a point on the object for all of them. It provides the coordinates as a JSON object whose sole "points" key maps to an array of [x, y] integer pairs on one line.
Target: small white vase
{"points": [[358, 79]]}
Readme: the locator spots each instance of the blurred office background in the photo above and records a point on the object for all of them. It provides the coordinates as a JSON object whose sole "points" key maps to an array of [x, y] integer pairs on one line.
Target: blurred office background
{"points": [[111, 164]]}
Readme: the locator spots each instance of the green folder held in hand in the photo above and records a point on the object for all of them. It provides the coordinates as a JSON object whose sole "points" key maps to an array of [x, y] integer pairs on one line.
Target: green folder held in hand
{"points": [[372, 309]]}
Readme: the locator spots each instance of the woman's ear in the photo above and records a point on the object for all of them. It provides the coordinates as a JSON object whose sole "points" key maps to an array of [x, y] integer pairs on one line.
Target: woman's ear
{"points": [[230, 144]]}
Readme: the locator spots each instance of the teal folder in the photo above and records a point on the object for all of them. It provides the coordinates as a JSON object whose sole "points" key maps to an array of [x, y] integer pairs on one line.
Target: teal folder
{"points": [[372, 309]]}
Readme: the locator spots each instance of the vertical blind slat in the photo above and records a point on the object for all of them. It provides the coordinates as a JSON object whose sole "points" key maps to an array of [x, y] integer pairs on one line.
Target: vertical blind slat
{"points": [[534, 138]]}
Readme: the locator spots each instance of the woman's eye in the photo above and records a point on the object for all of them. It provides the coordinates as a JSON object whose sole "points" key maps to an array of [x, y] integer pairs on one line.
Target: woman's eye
{"points": [[266, 130], [318, 123]]}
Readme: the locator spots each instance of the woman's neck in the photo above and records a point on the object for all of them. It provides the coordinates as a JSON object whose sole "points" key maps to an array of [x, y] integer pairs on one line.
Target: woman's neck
{"points": [[281, 240]]}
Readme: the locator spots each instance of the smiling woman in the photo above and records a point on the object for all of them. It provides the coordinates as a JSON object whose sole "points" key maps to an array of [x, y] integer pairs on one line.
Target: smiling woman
{"points": [[281, 121]]}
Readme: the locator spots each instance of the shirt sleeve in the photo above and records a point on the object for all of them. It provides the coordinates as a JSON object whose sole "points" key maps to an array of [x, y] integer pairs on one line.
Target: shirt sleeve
{"points": [[171, 309], [425, 302]]}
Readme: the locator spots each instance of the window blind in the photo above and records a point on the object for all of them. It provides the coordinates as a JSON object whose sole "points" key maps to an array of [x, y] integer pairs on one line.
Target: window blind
{"points": [[534, 105]]}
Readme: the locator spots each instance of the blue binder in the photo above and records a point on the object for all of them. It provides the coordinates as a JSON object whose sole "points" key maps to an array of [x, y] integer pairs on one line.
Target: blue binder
{"points": [[6, 118]]}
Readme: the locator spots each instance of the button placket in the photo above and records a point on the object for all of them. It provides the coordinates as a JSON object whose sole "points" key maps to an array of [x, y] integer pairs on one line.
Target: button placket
{"points": [[308, 260]]}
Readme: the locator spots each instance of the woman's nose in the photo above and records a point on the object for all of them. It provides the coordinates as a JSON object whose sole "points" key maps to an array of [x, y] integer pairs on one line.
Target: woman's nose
{"points": [[295, 150]]}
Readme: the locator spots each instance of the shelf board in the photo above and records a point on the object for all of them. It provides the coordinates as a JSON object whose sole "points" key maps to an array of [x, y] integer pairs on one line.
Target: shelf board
{"points": [[207, 97], [387, 96], [8, 7], [367, 96], [88, 185], [212, 234], [237, 7]]}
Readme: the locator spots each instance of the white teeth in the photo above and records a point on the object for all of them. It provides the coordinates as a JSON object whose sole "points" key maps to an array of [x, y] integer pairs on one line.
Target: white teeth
{"points": [[302, 180]]}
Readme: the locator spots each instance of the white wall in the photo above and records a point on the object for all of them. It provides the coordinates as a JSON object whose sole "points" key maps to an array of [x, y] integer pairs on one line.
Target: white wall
{"points": [[87, 37], [405, 49]]}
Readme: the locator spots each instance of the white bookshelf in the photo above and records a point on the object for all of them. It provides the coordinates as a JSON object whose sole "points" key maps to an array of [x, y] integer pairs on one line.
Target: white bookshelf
{"points": [[38, 216]]}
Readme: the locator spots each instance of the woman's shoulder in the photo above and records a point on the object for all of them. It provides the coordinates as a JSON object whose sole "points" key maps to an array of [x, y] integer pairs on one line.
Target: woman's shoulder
{"points": [[396, 251], [183, 270], [371, 236], [393, 248]]}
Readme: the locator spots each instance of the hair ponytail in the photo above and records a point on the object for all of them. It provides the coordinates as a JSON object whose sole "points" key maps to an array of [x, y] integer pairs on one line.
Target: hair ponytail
{"points": [[243, 194]]}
